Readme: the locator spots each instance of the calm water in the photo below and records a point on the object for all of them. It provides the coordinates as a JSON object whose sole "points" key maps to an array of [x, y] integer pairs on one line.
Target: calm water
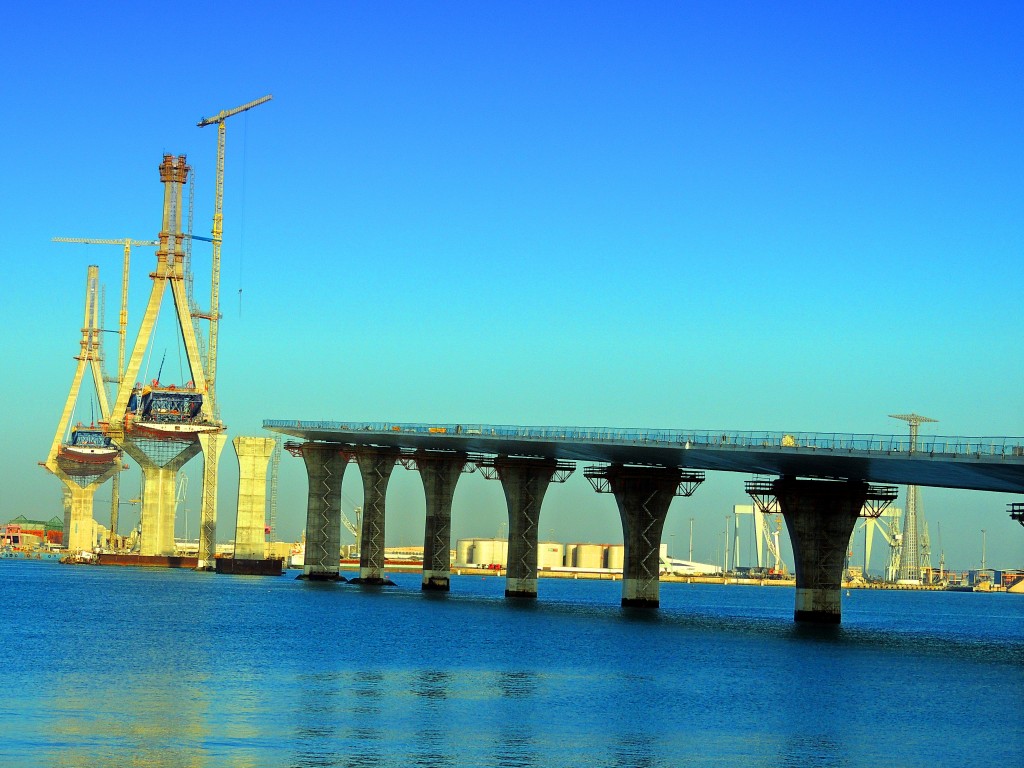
{"points": [[124, 666]]}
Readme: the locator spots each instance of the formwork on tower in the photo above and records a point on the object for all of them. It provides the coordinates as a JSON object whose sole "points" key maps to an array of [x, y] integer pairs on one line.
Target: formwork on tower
{"points": [[162, 425], [82, 456]]}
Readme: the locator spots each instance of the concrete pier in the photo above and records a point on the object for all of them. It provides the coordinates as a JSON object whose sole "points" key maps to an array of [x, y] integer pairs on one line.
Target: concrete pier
{"points": [[250, 525], [643, 496], [325, 467], [211, 443], [157, 516], [820, 516], [80, 524], [439, 471], [524, 481], [160, 462], [375, 466]]}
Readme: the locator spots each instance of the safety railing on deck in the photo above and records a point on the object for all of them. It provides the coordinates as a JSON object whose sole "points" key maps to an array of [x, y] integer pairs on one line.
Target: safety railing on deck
{"points": [[796, 441]]}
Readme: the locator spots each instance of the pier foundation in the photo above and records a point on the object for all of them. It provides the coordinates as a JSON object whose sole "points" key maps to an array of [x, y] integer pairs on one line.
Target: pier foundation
{"points": [[250, 525], [375, 467], [643, 496], [820, 516], [439, 471], [524, 481], [325, 467]]}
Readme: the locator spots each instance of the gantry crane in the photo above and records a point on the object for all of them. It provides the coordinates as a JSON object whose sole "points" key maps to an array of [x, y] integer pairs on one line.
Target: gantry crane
{"points": [[127, 243], [218, 230]]}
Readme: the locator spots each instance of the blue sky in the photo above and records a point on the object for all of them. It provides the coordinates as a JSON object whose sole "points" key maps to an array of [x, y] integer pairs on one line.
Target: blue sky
{"points": [[796, 216]]}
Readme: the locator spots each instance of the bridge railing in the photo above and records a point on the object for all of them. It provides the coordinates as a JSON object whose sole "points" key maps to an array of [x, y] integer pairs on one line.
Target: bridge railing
{"points": [[691, 439]]}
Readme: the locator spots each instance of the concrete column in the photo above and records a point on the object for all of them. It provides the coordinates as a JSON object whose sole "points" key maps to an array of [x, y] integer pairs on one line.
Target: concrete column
{"points": [[643, 496], [820, 516], [250, 525], [157, 515], [524, 481], [325, 466], [375, 466], [78, 532], [212, 444], [439, 473]]}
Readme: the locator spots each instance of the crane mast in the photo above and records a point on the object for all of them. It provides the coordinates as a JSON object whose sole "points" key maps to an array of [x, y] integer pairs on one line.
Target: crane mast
{"points": [[217, 232]]}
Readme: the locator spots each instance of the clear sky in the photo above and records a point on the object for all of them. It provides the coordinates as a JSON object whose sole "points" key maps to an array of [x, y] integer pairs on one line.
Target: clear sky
{"points": [[707, 215]]}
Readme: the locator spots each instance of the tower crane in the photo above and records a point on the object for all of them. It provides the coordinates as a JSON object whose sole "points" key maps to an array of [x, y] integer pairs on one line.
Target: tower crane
{"points": [[218, 222]]}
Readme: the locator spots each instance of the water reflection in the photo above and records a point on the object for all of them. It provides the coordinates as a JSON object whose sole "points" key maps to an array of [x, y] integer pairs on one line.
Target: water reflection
{"points": [[633, 750]]}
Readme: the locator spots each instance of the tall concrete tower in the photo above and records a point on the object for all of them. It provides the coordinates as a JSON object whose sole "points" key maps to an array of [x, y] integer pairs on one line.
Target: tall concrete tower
{"points": [[910, 560]]}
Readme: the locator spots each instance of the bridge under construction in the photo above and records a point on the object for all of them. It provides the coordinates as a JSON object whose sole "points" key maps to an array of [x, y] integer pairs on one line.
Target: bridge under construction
{"points": [[825, 483]]}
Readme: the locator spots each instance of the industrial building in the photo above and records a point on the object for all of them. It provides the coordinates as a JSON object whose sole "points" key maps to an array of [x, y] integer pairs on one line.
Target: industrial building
{"points": [[578, 556]]}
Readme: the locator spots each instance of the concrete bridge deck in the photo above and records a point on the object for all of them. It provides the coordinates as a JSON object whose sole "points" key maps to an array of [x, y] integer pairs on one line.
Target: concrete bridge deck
{"points": [[974, 463]]}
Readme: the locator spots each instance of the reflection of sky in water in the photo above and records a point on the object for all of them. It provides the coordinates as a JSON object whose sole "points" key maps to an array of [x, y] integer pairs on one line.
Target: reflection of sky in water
{"points": [[181, 669]]}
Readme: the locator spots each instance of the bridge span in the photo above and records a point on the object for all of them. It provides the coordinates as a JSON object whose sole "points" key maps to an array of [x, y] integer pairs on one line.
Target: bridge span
{"points": [[825, 482]]}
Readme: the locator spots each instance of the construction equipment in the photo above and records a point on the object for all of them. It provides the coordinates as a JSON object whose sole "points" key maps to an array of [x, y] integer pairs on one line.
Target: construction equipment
{"points": [[218, 229]]}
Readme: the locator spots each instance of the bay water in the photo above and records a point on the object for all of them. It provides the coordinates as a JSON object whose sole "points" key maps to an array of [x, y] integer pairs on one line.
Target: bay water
{"points": [[108, 666]]}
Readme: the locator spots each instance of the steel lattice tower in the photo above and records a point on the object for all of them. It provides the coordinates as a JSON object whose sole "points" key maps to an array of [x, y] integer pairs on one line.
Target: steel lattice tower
{"points": [[910, 561]]}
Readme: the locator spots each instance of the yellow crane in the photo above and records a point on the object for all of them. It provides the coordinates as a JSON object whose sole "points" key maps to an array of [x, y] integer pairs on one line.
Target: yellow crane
{"points": [[127, 243], [218, 228]]}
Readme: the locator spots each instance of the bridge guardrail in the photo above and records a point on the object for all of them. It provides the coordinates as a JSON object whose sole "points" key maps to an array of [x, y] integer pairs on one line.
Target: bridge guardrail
{"points": [[797, 441]]}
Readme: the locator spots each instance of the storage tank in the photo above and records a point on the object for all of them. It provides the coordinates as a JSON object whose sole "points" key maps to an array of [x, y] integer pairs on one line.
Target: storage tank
{"points": [[490, 552], [616, 556], [463, 548], [550, 554], [569, 556], [589, 556]]}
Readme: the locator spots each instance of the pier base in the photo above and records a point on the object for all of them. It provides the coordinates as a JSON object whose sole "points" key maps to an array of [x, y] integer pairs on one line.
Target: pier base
{"points": [[820, 516]]}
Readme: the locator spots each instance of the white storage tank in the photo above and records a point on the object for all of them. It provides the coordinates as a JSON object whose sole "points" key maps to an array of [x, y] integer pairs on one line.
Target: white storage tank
{"points": [[616, 556], [489, 552], [569, 556], [589, 556], [463, 549], [550, 554]]}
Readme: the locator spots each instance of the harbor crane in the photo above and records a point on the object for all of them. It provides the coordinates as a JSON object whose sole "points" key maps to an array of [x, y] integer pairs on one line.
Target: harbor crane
{"points": [[218, 229]]}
